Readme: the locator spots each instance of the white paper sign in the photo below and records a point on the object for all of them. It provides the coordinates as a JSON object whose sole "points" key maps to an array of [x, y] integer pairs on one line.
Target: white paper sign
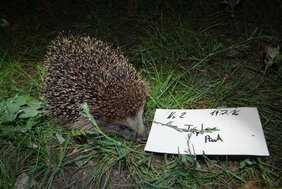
{"points": [[226, 131]]}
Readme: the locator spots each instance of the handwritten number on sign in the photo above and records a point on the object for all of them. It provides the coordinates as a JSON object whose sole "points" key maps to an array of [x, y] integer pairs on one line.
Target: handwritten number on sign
{"points": [[225, 112], [182, 114], [235, 112], [173, 115]]}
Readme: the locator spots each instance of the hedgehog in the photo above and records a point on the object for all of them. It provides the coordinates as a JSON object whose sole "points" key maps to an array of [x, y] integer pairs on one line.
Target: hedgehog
{"points": [[83, 69]]}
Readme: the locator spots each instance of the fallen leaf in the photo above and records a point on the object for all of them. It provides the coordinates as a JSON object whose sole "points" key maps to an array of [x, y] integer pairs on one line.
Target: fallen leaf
{"points": [[22, 181], [252, 183], [60, 138]]}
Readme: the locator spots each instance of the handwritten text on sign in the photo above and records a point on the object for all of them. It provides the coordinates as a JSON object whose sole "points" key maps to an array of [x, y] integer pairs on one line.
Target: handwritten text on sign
{"points": [[228, 131]]}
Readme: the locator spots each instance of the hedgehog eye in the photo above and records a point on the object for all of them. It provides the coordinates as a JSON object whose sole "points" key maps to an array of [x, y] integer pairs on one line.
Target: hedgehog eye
{"points": [[119, 127], [97, 116], [123, 127]]}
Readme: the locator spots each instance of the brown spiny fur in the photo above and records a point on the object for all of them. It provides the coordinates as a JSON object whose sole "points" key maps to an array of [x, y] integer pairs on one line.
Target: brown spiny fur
{"points": [[84, 69]]}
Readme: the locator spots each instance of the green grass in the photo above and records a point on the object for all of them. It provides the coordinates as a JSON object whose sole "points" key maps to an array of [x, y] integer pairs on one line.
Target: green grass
{"points": [[184, 54]]}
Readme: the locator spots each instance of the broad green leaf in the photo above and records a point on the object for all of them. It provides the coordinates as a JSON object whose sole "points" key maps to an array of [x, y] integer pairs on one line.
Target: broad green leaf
{"points": [[35, 105], [2, 105], [13, 108], [30, 123], [7, 118], [29, 113], [20, 100], [28, 98]]}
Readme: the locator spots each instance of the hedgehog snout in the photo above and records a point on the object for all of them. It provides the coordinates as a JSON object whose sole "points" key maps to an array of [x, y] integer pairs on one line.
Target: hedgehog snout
{"points": [[137, 125], [143, 137]]}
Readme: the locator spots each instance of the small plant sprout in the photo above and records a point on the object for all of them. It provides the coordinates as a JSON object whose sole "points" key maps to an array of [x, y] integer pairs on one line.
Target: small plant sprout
{"points": [[271, 57]]}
